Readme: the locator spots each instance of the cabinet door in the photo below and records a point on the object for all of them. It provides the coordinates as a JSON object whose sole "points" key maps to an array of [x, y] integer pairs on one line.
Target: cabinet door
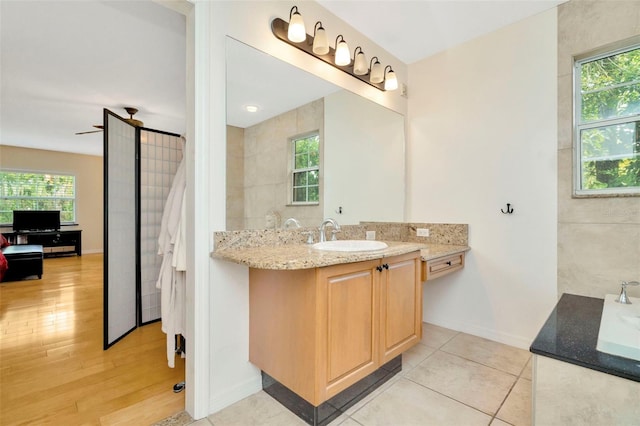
{"points": [[400, 305], [350, 329]]}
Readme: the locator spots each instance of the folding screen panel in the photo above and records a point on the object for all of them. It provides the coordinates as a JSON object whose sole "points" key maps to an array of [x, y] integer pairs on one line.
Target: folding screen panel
{"points": [[120, 194], [160, 155]]}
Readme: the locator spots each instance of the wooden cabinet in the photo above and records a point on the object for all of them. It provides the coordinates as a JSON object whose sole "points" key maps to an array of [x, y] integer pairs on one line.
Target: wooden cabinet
{"points": [[53, 242], [435, 268], [318, 331], [400, 306]]}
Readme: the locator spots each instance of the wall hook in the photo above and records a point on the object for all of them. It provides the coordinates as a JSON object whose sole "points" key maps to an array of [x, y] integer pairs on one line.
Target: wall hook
{"points": [[509, 209]]}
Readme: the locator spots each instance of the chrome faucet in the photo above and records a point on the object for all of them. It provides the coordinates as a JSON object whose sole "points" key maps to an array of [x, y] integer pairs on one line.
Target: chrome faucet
{"points": [[623, 293], [290, 221], [336, 228]]}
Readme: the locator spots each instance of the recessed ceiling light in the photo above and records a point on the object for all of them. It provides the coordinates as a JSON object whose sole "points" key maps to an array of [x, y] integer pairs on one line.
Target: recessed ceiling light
{"points": [[251, 108]]}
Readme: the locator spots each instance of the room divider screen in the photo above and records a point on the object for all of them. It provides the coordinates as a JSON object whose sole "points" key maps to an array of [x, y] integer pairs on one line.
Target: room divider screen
{"points": [[120, 220], [139, 166]]}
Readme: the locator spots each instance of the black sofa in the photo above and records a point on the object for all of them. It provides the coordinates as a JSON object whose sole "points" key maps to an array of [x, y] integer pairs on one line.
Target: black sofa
{"points": [[24, 261]]}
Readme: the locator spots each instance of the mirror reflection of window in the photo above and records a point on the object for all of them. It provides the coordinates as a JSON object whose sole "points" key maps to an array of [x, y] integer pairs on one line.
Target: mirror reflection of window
{"points": [[305, 170]]}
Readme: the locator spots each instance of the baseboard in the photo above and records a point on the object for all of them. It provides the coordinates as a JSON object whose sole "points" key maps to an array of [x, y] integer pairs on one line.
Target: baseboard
{"points": [[92, 251], [487, 333], [235, 394]]}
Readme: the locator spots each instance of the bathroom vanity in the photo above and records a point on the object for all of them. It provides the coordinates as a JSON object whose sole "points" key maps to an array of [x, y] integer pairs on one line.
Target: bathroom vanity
{"points": [[318, 331], [328, 327]]}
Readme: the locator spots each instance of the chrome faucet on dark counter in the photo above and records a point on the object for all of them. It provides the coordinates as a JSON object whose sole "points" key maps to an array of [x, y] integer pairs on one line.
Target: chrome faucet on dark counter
{"points": [[336, 228]]}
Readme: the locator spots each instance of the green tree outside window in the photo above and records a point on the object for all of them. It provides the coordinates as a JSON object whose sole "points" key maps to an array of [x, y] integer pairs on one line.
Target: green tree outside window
{"points": [[36, 191], [608, 122]]}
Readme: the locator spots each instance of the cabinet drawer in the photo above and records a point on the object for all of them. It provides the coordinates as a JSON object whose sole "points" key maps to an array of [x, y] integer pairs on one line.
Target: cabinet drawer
{"points": [[435, 268]]}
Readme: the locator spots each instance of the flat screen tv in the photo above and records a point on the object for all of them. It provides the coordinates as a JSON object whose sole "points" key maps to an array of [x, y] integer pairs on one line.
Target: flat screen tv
{"points": [[36, 220]]}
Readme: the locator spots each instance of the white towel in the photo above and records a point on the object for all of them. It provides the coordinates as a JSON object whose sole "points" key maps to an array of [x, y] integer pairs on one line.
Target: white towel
{"points": [[172, 277]]}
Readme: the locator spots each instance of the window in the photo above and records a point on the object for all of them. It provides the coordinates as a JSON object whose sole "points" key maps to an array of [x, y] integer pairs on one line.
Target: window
{"points": [[306, 169], [37, 191], [607, 117]]}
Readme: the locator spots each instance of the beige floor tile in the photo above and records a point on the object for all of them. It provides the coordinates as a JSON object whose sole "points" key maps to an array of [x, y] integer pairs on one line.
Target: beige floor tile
{"points": [[348, 421], [373, 394], [406, 403], [415, 356], [436, 336], [492, 354], [257, 409], [527, 373], [517, 408], [498, 422], [201, 422], [479, 386]]}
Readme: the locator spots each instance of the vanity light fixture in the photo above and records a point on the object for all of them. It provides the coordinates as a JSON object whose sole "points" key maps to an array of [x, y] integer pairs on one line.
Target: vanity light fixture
{"points": [[359, 62], [320, 42], [390, 80], [296, 33], [338, 56], [377, 72], [343, 56]]}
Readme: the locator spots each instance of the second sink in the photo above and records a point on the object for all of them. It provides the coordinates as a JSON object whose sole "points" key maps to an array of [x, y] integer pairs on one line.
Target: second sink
{"points": [[350, 245]]}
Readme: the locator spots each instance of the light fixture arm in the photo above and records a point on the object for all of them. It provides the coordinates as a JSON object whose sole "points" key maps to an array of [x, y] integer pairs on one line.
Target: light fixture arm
{"points": [[315, 28], [291, 12]]}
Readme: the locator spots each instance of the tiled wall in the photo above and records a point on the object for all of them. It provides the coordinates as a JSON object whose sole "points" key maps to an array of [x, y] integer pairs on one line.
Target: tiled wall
{"points": [[266, 171], [235, 178], [598, 238]]}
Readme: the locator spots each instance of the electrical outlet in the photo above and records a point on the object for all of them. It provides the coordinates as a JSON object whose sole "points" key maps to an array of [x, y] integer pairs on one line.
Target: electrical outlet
{"points": [[422, 232], [371, 235]]}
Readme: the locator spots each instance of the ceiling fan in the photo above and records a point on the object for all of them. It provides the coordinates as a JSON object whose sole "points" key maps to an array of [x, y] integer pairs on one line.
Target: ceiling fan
{"points": [[97, 126], [130, 110]]}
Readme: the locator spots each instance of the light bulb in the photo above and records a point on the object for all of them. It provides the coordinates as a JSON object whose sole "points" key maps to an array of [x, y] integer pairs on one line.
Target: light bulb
{"points": [[320, 42], [343, 56], [297, 33], [377, 72], [390, 80], [360, 62]]}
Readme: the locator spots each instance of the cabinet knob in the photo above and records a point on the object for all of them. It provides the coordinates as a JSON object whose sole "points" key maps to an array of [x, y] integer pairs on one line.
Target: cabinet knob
{"points": [[449, 263], [379, 268], [386, 266]]}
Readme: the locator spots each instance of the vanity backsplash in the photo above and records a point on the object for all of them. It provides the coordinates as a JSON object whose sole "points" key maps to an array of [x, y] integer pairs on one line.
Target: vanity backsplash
{"points": [[439, 233]]}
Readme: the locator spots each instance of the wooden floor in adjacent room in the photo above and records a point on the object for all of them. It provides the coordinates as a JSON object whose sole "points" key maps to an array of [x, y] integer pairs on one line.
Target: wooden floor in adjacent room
{"points": [[52, 366]]}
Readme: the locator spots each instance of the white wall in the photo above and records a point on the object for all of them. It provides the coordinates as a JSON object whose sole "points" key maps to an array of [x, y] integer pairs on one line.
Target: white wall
{"points": [[482, 133], [366, 137], [218, 371]]}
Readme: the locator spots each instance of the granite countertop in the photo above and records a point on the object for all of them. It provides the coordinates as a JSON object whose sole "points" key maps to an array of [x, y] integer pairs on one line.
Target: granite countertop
{"points": [[436, 251], [302, 256], [571, 335]]}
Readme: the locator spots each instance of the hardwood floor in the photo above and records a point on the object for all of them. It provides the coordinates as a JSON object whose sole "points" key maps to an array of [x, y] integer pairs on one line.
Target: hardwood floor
{"points": [[52, 366]]}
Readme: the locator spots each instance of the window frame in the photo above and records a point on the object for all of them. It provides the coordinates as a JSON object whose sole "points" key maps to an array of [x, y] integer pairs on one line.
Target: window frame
{"points": [[53, 173], [292, 169], [578, 127]]}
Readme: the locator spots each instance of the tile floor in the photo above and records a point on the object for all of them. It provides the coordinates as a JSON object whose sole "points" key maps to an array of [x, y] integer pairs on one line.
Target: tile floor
{"points": [[450, 378]]}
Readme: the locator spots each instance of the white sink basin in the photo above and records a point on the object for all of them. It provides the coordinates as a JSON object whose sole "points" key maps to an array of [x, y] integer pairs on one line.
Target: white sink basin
{"points": [[350, 245], [619, 332]]}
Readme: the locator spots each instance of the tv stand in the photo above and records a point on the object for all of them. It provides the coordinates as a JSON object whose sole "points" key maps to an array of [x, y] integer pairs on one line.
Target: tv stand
{"points": [[54, 243]]}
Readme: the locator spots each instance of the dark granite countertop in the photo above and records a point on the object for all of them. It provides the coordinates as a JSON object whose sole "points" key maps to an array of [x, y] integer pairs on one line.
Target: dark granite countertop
{"points": [[571, 335]]}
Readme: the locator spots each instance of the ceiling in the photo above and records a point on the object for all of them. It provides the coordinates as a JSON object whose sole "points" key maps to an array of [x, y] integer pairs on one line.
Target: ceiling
{"points": [[58, 74], [64, 61], [415, 29]]}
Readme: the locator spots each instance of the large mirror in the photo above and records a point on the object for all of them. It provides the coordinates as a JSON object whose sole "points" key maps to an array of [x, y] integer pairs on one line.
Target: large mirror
{"points": [[310, 150]]}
